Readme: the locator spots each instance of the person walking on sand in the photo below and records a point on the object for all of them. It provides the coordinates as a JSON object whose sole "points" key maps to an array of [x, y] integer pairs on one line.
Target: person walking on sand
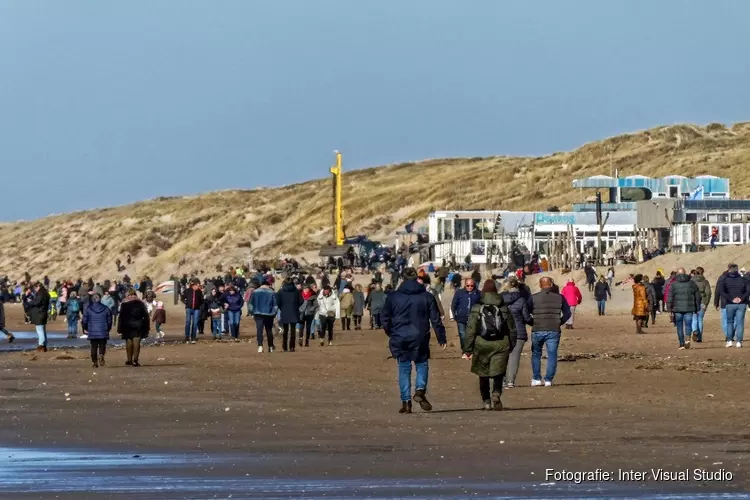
{"points": [[601, 293], [4, 298], [683, 301], [640, 309], [328, 309], [573, 297], [193, 300], [517, 296], [374, 302], [463, 300], [289, 300], [659, 283], [38, 313], [96, 324], [490, 338], [133, 325], [159, 318], [263, 307], [735, 291], [652, 301], [308, 313], [704, 287], [232, 303], [407, 315], [550, 311], [359, 306]]}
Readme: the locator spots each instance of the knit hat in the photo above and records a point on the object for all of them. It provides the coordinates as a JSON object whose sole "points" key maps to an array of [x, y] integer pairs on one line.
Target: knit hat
{"points": [[489, 287]]}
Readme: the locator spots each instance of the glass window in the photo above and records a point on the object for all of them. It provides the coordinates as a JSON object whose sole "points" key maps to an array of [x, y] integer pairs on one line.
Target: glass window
{"points": [[736, 234], [705, 234], [736, 217], [447, 229], [463, 229], [440, 229], [724, 231], [478, 247]]}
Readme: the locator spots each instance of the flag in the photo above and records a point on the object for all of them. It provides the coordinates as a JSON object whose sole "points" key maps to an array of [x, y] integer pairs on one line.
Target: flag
{"points": [[410, 227]]}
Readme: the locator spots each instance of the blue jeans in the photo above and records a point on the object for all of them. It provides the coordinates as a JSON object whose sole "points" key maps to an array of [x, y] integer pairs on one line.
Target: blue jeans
{"points": [[698, 322], [601, 306], [404, 378], [41, 332], [73, 326], [683, 322], [216, 327], [539, 340], [233, 318], [192, 316], [736, 321], [461, 333], [724, 321]]}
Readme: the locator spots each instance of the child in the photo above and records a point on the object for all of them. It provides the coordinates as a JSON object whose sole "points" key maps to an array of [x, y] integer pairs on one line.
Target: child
{"points": [[72, 314], [215, 311], [159, 318]]}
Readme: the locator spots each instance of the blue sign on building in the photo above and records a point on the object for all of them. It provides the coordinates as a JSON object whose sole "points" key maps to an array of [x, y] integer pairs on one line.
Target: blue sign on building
{"points": [[550, 218]]}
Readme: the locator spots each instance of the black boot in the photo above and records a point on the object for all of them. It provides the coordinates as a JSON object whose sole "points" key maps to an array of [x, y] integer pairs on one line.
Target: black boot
{"points": [[405, 407], [421, 399]]}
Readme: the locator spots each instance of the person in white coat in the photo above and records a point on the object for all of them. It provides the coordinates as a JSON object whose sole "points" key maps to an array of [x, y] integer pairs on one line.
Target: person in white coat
{"points": [[329, 310]]}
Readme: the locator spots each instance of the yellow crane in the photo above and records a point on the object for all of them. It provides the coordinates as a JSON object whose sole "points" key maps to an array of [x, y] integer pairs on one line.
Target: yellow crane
{"points": [[338, 207]]}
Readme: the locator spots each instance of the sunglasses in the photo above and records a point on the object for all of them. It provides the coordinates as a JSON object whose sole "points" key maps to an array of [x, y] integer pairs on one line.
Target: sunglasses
{"points": [[469, 286]]}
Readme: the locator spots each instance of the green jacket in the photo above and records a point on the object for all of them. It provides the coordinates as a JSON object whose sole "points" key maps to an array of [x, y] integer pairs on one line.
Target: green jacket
{"points": [[489, 358], [704, 287]]}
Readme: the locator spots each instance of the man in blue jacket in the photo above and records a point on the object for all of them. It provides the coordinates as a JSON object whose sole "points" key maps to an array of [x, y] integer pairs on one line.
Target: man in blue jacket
{"points": [[735, 291], [264, 307], [406, 317], [463, 300]]}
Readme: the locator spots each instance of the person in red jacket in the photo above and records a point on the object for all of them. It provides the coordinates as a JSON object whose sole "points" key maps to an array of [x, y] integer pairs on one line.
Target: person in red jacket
{"points": [[573, 297]]}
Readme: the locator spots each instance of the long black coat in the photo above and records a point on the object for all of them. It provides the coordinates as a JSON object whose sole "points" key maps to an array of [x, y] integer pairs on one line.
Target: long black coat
{"points": [[39, 307], [289, 300], [133, 321]]}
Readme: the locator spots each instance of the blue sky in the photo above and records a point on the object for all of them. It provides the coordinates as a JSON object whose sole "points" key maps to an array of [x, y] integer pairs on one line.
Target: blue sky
{"points": [[106, 102]]}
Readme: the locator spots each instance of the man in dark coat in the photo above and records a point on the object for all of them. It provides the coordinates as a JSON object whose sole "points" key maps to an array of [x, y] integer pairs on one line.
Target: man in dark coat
{"points": [[38, 310], [463, 300], [735, 291], [289, 300], [406, 316], [658, 283], [683, 301]]}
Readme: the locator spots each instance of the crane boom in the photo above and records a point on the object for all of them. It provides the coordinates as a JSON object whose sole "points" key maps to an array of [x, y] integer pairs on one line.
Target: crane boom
{"points": [[338, 208]]}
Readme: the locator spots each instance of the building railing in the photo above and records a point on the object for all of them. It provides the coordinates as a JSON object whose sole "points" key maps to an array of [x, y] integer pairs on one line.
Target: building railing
{"points": [[606, 207]]}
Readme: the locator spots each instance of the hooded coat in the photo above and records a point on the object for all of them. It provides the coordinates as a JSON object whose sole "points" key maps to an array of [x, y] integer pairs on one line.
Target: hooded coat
{"points": [[517, 302], [97, 321], [375, 301], [406, 317], [133, 321], [359, 303], [289, 300], [38, 308], [572, 294], [640, 301], [704, 287], [489, 358], [683, 296]]}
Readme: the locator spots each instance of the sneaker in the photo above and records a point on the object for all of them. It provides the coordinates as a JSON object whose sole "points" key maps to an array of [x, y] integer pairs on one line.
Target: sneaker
{"points": [[497, 405], [738, 344], [128, 363], [687, 343], [486, 405], [405, 407], [536, 383], [84, 336], [330, 343], [547, 383], [136, 363], [260, 348], [421, 399], [192, 341], [509, 385], [11, 338], [162, 335], [729, 344], [270, 349], [694, 337], [322, 342], [101, 361], [681, 348], [464, 356], [95, 366]]}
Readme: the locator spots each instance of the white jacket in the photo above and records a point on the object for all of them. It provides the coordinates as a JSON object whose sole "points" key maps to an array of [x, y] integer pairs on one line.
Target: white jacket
{"points": [[330, 303]]}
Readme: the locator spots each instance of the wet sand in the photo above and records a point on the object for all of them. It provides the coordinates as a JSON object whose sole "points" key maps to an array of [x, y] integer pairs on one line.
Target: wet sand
{"points": [[620, 401]]}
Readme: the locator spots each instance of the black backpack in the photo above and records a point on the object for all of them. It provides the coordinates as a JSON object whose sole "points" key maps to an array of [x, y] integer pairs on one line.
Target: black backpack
{"points": [[493, 325]]}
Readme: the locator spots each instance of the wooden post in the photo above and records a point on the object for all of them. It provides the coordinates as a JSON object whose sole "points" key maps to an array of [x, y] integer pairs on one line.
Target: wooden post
{"points": [[599, 259]]}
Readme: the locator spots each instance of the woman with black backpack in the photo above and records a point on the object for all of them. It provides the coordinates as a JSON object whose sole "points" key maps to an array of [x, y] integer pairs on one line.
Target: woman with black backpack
{"points": [[134, 325], [490, 338]]}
